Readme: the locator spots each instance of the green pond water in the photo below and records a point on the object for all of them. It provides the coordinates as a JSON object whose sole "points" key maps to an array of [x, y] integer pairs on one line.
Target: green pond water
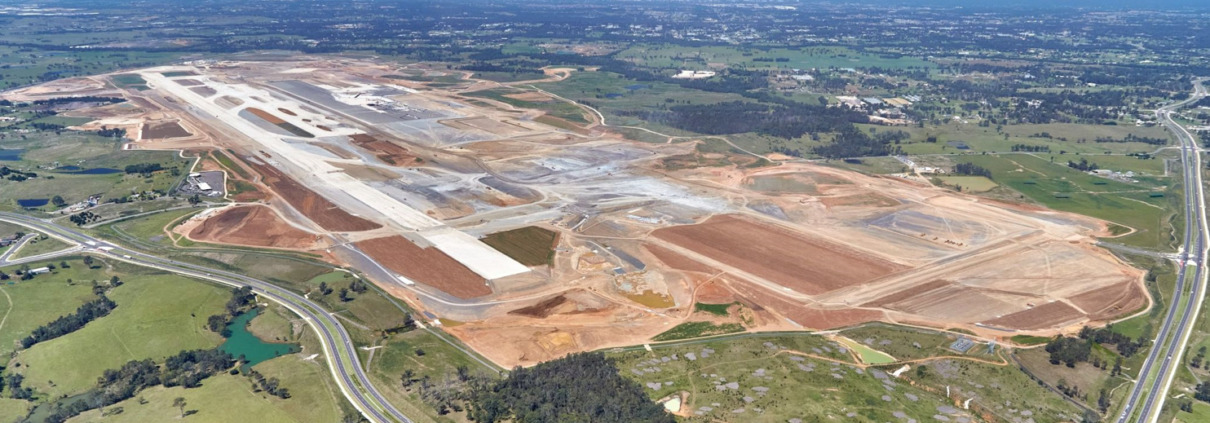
{"points": [[242, 342]]}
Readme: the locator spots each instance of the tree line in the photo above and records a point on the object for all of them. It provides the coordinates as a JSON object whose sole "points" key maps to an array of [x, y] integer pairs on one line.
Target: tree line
{"points": [[583, 387], [64, 325], [242, 300], [187, 369]]}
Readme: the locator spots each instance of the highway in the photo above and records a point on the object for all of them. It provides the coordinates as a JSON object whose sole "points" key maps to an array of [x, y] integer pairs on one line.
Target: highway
{"points": [[1164, 358], [338, 347]]}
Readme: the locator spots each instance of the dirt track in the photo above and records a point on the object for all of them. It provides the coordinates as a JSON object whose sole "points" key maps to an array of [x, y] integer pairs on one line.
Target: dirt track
{"points": [[256, 226]]}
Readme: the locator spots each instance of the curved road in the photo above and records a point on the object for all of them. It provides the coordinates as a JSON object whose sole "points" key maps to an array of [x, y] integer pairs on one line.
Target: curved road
{"points": [[339, 348], [1188, 303]]}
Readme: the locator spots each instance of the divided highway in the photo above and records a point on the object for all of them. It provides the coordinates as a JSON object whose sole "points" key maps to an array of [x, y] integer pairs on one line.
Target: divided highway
{"points": [[1146, 399], [338, 347]]}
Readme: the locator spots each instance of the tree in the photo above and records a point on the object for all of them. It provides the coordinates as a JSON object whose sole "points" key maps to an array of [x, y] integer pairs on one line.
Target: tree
{"points": [[88, 261], [344, 295], [179, 402], [58, 201]]}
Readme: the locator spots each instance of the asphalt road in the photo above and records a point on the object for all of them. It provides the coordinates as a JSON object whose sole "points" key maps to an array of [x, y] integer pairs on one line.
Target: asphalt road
{"points": [[338, 347], [1149, 402]]}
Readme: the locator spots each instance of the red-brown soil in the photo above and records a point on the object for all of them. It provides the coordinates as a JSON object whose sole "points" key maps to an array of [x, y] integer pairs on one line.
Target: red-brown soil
{"points": [[796, 261], [428, 266], [257, 226], [1111, 301], [907, 293], [714, 293], [806, 316], [323, 212], [268, 117], [1040, 317], [677, 261], [542, 309], [386, 151]]}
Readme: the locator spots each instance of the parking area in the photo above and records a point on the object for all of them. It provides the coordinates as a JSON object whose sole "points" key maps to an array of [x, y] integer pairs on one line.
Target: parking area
{"points": [[209, 184]]}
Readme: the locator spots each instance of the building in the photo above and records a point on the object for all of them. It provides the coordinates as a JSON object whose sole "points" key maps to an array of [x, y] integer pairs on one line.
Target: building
{"points": [[204, 187], [39, 271]]}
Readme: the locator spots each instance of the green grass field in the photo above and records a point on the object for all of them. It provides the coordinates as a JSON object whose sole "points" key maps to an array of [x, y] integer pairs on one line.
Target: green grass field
{"points": [[1062, 188], [902, 342], [697, 58], [129, 80], [12, 410], [86, 151], [438, 362], [554, 107], [689, 330], [1030, 340], [715, 309], [993, 386], [40, 245], [25, 305], [797, 386], [157, 315], [969, 183], [531, 245], [868, 355], [610, 93], [988, 140], [224, 398]]}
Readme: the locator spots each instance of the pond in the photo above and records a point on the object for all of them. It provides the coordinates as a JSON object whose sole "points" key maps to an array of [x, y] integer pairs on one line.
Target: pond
{"points": [[33, 202], [253, 349], [94, 171], [10, 155]]}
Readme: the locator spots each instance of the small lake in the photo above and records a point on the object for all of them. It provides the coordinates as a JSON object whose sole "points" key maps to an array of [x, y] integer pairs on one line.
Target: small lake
{"points": [[10, 155], [33, 202], [255, 350], [633, 87], [76, 170]]}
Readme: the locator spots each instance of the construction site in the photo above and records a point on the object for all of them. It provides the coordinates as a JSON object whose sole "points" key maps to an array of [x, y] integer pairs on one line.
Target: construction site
{"points": [[529, 241]]}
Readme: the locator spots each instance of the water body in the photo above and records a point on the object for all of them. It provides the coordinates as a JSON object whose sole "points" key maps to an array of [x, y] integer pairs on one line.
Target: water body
{"points": [[33, 202], [10, 155], [242, 342], [96, 171]]}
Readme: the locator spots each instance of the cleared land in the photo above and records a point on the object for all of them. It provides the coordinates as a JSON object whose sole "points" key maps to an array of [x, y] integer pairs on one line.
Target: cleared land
{"points": [[163, 130], [429, 266], [251, 225], [531, 245], [799, 262], [271, 118], [386, 151], [318, 209]]}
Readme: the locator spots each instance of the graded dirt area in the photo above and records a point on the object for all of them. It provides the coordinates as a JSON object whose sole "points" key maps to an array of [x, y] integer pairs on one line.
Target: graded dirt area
{"points": [[429, 266], [257, 226], [644, 230], [386, 151], [802, 263], [318, 209], [162, 130]]}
